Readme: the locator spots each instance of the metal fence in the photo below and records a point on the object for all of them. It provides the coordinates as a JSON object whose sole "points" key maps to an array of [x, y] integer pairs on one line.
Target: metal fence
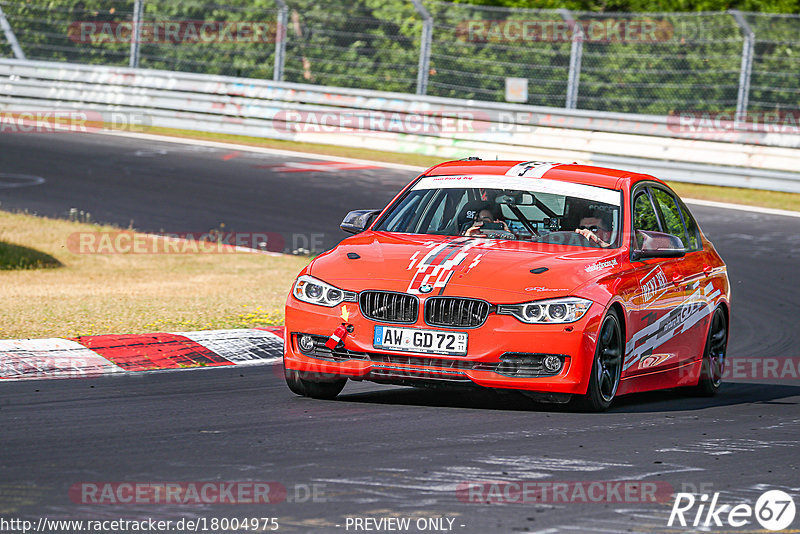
{"points": [[654, 63]]}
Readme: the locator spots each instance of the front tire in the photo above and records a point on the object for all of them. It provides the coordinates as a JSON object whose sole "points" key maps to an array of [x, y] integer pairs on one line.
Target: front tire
{"points": [[714, 356], [327, 388], [606, 366], [294, 382]]}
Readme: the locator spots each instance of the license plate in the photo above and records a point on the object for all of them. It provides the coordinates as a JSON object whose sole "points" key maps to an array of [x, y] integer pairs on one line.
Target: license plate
{"points": [[416, 340]]}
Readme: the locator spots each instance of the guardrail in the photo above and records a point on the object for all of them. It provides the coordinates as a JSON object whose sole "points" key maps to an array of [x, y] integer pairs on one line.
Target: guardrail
{"points": [[731, 154], [634, 62]]}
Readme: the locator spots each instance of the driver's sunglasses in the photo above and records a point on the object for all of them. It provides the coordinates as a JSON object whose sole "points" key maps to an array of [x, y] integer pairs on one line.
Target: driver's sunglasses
{"points": [[593, 228], [484, 219]]}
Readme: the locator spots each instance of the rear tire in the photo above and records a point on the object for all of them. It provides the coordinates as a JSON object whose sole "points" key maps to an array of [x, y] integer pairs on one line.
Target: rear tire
{"points": [[327, 388], [713, 365], [606, 366]]}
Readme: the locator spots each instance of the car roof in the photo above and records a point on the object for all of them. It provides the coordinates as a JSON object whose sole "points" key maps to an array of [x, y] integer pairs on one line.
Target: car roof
{"points": [[566, 172]]}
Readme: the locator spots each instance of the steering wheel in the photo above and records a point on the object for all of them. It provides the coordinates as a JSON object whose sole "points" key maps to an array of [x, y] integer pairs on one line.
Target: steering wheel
{"points": [[583, 239], [498, 234], [565, 237]]}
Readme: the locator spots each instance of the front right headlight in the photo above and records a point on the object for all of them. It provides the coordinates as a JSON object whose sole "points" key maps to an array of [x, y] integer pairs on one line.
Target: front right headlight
{"points": [[314, 291], [563, 310]]}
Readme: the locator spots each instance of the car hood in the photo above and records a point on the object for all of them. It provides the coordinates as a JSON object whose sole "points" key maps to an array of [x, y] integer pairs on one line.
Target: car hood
{"points": [[495, 270]]}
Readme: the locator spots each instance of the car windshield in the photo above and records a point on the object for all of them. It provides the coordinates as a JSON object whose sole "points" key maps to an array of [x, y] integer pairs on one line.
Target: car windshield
{"points": [[504, 207]]}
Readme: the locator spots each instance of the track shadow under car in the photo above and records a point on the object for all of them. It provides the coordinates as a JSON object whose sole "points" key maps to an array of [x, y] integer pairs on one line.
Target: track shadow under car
{"points": [[677, 400]]}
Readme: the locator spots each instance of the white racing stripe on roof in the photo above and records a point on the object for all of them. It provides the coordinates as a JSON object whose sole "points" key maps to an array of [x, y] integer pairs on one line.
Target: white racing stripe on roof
{"points": [[531, 169], [534, 185]]}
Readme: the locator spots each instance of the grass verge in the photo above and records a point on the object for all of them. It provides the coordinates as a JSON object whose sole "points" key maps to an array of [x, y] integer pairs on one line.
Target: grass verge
{"points": [[135, 293], [736, 195]]}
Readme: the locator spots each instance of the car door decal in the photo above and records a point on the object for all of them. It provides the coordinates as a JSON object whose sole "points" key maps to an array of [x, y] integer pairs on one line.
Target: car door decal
{"points": [[697, 306], [654, 284]]}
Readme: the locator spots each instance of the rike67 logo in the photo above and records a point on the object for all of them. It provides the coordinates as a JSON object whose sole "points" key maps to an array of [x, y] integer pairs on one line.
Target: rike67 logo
{"points": [[774, 510]]}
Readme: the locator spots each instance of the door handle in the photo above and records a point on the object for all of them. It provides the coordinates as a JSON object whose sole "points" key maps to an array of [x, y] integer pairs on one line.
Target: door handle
{"points": [[707, 269], [677, 279]]}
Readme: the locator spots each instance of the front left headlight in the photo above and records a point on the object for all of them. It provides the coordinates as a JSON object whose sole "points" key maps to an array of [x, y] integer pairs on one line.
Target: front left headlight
{"points": [[314, 291], [563, 310]]}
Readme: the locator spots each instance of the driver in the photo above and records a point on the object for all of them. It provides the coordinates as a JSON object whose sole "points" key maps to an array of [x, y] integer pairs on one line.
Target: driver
{"points": [[596, 229], [482, 217]]}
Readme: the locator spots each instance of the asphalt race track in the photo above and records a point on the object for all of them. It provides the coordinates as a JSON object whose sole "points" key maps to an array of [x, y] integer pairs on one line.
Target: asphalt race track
{"points": [[180, 188], [376, 451]]}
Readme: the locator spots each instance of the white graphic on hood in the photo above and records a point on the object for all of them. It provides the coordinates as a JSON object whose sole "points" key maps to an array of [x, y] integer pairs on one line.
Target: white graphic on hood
{"points": [[442, 260]]}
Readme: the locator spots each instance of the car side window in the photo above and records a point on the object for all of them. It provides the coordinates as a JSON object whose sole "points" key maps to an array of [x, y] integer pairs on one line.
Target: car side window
{"points": [[644, 216], [672, 215]]}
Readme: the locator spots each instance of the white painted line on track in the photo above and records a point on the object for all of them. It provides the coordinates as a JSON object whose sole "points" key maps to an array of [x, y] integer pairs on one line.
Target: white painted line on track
{"points": [[399, 166], [263, 150], [741, 207]]}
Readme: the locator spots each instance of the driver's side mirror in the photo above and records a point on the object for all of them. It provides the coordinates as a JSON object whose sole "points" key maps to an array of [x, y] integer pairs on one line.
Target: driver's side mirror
{"points": [[657, 245], [358, 220]]}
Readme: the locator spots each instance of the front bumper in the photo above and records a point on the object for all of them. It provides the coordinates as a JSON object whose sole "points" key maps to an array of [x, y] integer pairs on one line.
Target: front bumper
{"points": [[502, 353]]}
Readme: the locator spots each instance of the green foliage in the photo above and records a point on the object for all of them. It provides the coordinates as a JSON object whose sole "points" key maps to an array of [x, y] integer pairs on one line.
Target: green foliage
{"points": [[653, 6], [14, 257], [692, 64], [371, 44]]}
